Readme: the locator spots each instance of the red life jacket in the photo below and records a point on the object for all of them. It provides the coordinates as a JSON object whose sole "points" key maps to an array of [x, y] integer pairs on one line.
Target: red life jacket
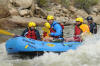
{"points": [[62, 25], [44, 34], [77, 30], [52, 30], [31, 34], [76, 33]]}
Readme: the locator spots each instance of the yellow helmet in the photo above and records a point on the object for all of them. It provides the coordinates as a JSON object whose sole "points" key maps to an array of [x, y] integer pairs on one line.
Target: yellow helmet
{"points": [[79, 19], [50, 17], [31, 24], [47, 25]]}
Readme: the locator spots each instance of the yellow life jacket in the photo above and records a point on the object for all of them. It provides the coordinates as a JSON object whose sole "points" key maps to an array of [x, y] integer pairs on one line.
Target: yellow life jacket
{"points": [[85, 31], [46, 30], [84, 28]]}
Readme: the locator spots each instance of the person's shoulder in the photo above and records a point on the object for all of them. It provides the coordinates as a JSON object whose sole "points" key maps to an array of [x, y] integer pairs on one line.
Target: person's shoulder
{"points": [[93, 23], [36, 30], [26, 29]]}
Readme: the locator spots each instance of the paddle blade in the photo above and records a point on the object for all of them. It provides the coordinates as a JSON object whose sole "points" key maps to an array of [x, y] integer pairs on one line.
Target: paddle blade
{"points": [[4, 32]]}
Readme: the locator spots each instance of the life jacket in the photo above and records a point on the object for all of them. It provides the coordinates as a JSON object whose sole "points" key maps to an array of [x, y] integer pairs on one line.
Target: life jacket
{"points": [[80, 29], [31, 34], [84, 28], [52, 30], [77, 32], [45, 34]]}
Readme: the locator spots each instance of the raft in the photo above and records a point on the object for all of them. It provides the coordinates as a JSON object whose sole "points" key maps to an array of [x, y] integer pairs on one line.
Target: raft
{"points": [[23, 44]]}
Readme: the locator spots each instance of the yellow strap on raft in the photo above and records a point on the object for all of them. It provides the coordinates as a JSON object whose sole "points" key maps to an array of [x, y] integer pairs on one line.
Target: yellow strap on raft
{"points": [[6, 32]]}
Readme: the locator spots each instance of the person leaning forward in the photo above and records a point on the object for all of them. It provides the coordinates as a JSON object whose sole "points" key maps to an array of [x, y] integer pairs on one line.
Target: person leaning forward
{"points": [[31, 31]]}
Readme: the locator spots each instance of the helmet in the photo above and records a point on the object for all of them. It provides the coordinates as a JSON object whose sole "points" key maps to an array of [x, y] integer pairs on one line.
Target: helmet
{"points": [[47, 25], [79, 19], [50, 17], [89, 18], [31, 24]]}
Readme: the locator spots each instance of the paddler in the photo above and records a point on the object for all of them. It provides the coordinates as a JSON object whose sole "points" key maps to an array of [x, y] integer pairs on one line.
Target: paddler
{"points": [[92, 25], [81, 30], [56, 30], [31, 31]]}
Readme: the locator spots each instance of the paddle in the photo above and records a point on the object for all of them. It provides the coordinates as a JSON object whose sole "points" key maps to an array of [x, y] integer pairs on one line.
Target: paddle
{"points": [[4, 32]]}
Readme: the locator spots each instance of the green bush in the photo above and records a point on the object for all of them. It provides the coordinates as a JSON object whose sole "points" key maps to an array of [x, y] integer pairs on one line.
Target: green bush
{"points": [[65, 3], [85, 3]]}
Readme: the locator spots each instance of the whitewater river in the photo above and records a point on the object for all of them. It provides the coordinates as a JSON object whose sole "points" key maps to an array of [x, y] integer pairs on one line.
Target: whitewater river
{"points": [[86, 55]]}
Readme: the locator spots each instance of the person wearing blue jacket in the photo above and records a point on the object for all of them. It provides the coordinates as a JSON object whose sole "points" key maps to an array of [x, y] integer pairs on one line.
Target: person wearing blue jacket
{"points": [[56, 30]]}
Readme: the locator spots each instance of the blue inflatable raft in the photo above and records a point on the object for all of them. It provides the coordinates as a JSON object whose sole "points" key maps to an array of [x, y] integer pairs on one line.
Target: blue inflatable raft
{"points": [[22, 44]]}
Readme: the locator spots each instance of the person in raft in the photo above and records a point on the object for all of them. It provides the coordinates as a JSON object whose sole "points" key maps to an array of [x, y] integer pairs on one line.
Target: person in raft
{"points": [[81, 30], [92, 25], [31, 31], [56, 30]]}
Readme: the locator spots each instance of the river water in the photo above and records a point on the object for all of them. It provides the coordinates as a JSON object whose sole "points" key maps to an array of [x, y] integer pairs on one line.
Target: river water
{"points": [[86, 55]]}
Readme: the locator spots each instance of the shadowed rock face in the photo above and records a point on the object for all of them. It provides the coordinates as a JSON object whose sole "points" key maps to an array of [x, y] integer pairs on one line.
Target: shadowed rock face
{"points": [[4, 11]]}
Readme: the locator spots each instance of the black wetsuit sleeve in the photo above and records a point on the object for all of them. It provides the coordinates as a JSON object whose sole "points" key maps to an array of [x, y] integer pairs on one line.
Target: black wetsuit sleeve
{"points": [[24, 32], [94, 28], [38, 35]]}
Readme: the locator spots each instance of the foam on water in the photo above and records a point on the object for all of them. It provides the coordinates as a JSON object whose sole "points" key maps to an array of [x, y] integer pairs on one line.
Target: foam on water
{"points": [[86, 55]]}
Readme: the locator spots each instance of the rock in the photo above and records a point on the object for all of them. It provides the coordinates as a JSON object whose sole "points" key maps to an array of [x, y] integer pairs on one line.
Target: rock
{"points": [[24, 12], [64, 10], [51, 13], [81, 13], [42, 13], [58, 7], [95, 9], [97, 19], [13, 12], [32, 10], [4, 11], [24, 20], [22, 3], [5, 24]]}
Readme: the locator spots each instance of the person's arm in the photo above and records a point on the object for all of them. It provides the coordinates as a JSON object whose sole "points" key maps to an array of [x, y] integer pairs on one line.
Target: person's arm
{"points": [[58, 30], [38, 35], [24, 32], [95, 28]]}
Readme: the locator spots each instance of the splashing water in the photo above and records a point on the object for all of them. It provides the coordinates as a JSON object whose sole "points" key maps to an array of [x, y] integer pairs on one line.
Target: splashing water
{"points": [[86, 55]]}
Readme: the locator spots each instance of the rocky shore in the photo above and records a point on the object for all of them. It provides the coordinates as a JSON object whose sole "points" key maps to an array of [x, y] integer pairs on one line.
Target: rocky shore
{"points": [[17, 13]]}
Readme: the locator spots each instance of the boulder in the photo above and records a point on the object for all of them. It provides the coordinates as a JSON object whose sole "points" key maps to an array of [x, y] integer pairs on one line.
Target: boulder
{"points": [[23, 20], [13, 12], [4, 11], [40, 12], [81, 13], [65, 11], [24, 12], [95, 9], [32, 10], [97, 19], [22, 3]]}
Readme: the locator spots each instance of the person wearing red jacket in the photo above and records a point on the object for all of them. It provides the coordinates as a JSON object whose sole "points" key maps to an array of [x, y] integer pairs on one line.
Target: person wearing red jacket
{"points": [[31, 32], [80, 30]]}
